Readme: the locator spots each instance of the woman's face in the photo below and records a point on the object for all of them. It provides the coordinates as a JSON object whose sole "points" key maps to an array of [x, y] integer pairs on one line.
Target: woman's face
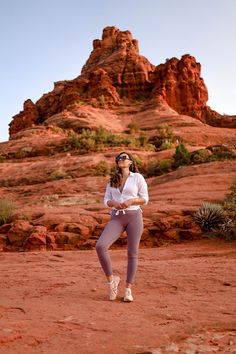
{"points": [[123, 160]]}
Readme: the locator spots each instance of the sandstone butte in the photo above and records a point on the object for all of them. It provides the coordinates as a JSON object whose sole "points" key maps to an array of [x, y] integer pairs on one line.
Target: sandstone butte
{"points": [[58, 195], [55, 302]]}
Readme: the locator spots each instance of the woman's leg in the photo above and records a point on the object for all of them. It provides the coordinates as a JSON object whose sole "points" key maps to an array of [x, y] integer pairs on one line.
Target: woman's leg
{"points": [[134, 232], [109, 235]]}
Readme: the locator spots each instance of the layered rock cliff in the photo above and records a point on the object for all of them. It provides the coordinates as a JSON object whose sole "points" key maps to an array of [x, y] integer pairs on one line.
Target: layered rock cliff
{"points": [[116, 71]]}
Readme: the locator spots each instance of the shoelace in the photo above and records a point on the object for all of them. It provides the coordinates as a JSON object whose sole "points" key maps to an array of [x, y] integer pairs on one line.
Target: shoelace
{"points": [[113, 287]]}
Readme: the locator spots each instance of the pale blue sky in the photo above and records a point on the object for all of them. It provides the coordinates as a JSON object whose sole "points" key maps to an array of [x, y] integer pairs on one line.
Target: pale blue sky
{"points": [[43, 41]]}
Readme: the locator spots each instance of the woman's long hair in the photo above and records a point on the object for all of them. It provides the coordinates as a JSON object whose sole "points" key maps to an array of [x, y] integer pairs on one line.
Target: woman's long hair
{"points": [[116, 176]]}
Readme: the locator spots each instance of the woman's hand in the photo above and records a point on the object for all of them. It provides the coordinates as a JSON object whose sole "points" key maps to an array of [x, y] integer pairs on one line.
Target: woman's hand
{"points": [[127, 203], [114, 204], [133, 201]]}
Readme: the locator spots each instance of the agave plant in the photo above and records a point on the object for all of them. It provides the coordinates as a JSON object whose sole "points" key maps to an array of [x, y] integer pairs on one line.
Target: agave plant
{"points": [[209, 216]]}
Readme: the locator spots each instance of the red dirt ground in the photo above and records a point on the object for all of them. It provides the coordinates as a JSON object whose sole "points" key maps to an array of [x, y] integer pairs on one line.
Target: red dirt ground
{"points": [[56, 302]]}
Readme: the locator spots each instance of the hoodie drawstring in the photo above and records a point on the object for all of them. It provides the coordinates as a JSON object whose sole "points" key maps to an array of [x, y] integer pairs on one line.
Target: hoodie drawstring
{"points": [[117, 212]]}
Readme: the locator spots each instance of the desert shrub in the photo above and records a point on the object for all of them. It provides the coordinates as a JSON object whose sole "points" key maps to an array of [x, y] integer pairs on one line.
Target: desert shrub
{"points": [[133, 127], [227, 229], [165, 166], [122, 140], [22, 216], [102, 169], [87, 144], [102, 101], [164, 139], [143, 139], [221, 152], [209, 216], [7, 210], [140, 96], [165, 132], [200, 156], [139, 164], [230, 203], [217, 220], [101, 136], [83, 142], [56, 129], [90, 140], [94, 103], [181, 156], [2, 158], [73, 140], [157, 167], [225, 155], [58, 174], [167, 145], [149, 147]]}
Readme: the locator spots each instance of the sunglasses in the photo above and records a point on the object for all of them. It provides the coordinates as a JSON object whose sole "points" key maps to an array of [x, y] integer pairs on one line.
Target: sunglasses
{"points": [[123, 158]]}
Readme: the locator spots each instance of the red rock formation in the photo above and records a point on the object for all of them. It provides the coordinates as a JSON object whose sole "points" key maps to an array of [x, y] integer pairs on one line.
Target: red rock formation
{"points": [[180, 84], [118, 54], [116, 70], [25, 119], [100, 87]]}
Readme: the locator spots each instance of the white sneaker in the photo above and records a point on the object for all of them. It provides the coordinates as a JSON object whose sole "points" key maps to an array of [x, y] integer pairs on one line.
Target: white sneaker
{"points": [[128, 295], [113, 287]]}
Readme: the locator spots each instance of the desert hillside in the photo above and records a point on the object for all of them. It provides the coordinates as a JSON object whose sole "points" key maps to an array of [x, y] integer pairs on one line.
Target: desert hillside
{"points": [[56, 164]]}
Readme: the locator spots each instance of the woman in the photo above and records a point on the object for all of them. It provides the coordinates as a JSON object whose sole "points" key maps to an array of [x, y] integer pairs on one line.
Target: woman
{"points": [[125, 192]]}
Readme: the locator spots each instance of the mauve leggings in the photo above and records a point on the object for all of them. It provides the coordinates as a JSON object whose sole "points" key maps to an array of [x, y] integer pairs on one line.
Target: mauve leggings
{"points": [[132, 223]]}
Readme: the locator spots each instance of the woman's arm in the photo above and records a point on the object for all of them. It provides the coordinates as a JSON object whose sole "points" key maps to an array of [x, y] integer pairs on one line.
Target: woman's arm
{"points": [[108, 201], [108, 195], [133, 201], [113, 204], [143, 189]]}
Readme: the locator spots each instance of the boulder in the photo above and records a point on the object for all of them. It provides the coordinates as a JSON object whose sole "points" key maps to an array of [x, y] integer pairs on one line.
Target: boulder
{"points": [[19, 232]]}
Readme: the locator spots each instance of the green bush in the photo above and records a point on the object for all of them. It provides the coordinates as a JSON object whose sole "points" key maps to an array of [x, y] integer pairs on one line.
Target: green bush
{"points": [[227, 229], [165, 132], [209, 216], [87, 144], [102, 169], [217, 220], [230, 203], [164, 139], [93, 140], [157, 168], [101, 136], [133, 127], [182, 156], [143, 139], [58, 174], [200, 156], [7, 210], [167, 145], [2, 159], [139, 163], [140, 96], [73, 140], [102, 101]]}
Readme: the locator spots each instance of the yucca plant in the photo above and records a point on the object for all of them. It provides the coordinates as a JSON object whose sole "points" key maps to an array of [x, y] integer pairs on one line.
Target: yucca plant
{"points": [[209, 216]]}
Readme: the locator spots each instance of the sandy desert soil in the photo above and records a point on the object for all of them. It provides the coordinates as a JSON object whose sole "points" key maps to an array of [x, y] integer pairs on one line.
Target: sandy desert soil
{"points": [[56, 302]]}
